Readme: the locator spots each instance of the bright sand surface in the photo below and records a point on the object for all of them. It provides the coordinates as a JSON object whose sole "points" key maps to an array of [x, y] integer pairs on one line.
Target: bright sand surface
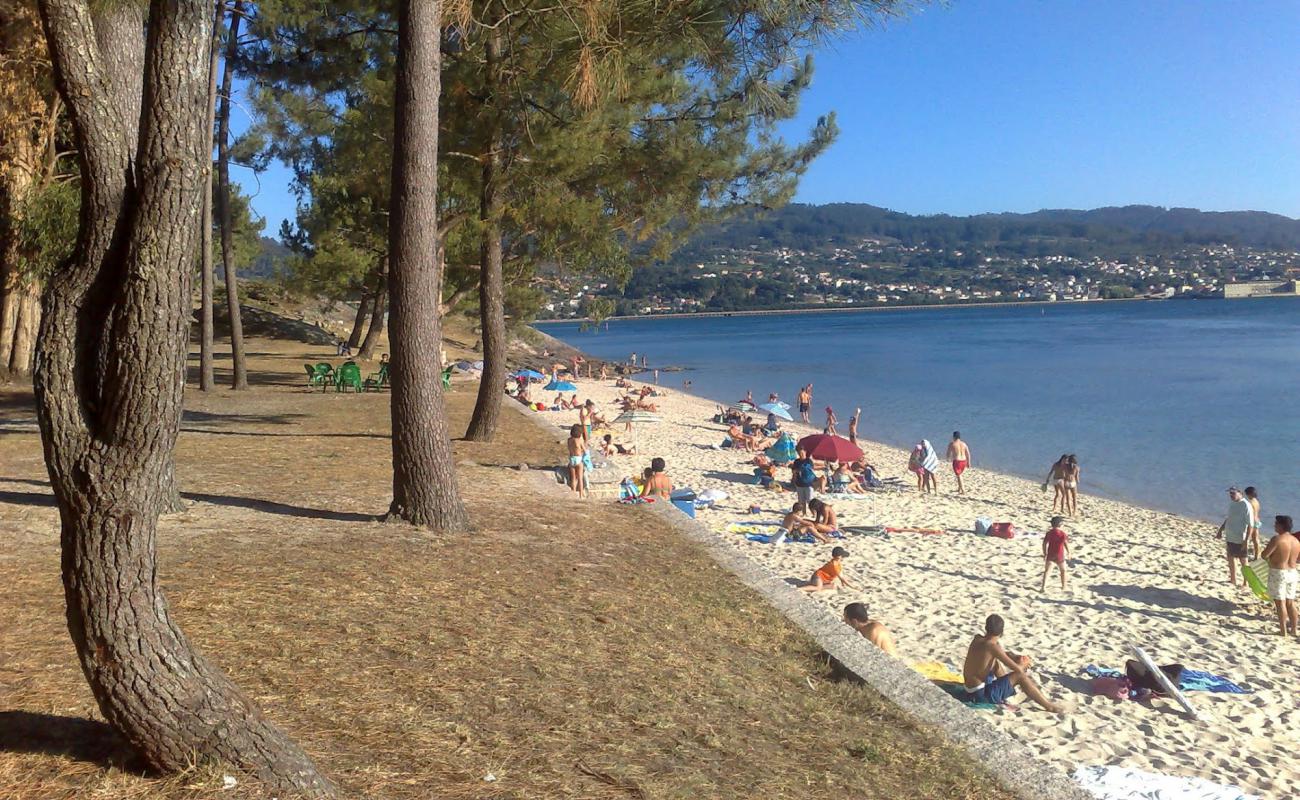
{"points": [[1136, 577]]}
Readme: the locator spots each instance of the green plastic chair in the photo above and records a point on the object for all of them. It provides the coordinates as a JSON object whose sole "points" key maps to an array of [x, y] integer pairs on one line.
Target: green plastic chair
{"points": [[312, 378], [323, 376], [446, 378], [378, 380], [347, 377]]}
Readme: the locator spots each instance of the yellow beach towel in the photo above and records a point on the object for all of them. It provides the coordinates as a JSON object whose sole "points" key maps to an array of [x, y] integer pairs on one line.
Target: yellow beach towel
{"points": [[937, 671]]}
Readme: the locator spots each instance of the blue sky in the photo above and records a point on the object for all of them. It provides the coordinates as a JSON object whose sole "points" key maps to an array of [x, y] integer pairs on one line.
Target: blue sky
{"points": [[1016, 105]]}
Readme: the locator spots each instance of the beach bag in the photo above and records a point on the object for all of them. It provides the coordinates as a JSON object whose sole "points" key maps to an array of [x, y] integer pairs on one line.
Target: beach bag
{"points": [[804, 474], [1003, 530], [1114, 688], [982, 526]]}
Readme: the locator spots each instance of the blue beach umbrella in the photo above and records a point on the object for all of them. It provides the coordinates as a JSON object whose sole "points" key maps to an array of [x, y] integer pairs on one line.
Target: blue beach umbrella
{"points": [[530, 374], [559, 386], [777, 410]]}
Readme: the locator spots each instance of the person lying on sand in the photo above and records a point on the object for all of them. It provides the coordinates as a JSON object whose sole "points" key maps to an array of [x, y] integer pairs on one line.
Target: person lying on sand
{"points": [[1283, 554], [992, 674], [856, 617], [830, 575], [594, 416], [609, 447]]}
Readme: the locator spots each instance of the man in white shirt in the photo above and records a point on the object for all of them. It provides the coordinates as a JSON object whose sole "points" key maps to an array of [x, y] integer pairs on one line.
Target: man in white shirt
{"points": [[1235, 530]]}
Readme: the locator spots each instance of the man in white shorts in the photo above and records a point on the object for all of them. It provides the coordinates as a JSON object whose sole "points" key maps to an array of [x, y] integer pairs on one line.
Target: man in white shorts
{"points": [[1283, 553]]}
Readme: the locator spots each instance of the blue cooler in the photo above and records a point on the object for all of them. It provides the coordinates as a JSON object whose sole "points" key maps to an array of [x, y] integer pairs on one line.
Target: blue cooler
{"points": [[685, 502]]}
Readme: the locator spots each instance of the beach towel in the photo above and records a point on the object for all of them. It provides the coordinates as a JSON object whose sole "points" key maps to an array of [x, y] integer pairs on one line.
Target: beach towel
{"points": [[1192, 680], [1122, 783], [937, 671], [929, 458], [958, 693]]}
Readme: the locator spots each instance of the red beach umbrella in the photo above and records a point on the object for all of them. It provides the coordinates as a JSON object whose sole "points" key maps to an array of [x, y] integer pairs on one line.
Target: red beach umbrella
{"points": [[826, 447]]}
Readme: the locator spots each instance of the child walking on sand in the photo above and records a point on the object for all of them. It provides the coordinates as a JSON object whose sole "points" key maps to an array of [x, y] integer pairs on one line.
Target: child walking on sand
{"points": [[1056, 548], [830, 575]]}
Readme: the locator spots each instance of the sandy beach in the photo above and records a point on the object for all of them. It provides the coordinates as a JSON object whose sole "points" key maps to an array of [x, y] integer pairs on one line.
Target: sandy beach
{"points": [[1137, 576]]}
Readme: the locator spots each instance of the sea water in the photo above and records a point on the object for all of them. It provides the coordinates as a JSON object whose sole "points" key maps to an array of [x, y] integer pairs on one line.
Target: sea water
{"points": [[1165, 404]]}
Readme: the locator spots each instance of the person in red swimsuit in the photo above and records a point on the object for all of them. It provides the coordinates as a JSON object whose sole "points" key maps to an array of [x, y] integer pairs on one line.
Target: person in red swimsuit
{"points": [[1056, 549], [959, 455]]}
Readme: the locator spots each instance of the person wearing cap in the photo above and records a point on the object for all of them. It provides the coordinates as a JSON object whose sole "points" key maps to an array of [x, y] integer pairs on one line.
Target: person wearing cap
{"points": [[857, 618], [1235, 530], [830, 575]]}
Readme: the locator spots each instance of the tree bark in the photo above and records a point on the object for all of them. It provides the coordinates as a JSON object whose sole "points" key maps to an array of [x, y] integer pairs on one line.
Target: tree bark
{"points": [[239, 378], [424, 473], [363, 315], [206, 380], [491, 286], [377, 313], [110, 377]]}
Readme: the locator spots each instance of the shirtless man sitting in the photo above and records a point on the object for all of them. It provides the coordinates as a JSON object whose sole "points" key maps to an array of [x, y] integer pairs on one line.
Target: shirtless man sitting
{"points": [[1283, 554], [795, 523], [992, 674], [856, 616]]}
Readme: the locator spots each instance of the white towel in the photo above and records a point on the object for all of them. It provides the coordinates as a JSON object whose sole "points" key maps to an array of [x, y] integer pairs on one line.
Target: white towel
{"points": [[929, 458], [1122, 783]]}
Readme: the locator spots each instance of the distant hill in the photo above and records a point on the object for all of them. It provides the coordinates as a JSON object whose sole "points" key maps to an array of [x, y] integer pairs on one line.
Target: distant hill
{"points": [[269, 258], [1127, 228]]}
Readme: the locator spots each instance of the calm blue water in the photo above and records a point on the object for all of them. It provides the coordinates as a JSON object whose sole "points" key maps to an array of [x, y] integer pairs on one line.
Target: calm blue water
{"points": [[1165, 403]]}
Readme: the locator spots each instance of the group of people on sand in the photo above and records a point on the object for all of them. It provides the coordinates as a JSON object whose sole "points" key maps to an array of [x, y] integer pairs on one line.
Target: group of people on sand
{"points": [[990, 672], [1063, 477], [1241, 534]]}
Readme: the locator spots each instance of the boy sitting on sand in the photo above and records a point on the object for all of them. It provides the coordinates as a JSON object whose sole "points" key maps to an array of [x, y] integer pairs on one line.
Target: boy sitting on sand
{"points": [[795, 523], [992, 674], [830, 575], [1056, 548], [856, 616]]}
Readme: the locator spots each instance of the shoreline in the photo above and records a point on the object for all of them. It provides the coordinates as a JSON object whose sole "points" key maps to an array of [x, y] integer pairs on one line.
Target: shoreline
{"points": [[1139, 576], [771, 312]]}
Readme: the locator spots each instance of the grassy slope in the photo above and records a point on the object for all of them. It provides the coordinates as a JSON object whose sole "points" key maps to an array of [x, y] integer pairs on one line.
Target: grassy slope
{"points": [[567, 649]]}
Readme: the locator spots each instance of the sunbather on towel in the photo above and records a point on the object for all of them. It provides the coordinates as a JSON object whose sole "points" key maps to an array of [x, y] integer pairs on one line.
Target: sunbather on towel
{"points": [[830, 575], [796, 523], [992, 674], [855, 614]]}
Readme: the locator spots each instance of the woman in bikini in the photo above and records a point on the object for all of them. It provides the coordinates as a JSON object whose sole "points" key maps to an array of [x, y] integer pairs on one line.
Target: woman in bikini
{"points": [[1056, 477], [658, 484], [1070, 480]]}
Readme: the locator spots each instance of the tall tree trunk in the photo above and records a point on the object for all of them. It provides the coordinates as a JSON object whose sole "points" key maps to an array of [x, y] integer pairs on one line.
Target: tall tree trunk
{"points": [[111, 373], [206, 380], [491, 286], [424, 473], [239, 379], [363, 315], [378, 311]]}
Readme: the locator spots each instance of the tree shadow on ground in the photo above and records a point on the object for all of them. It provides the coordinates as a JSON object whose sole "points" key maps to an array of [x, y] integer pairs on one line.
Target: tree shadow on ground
{"points": [[72, 737], [284, 509], [236, 419], [27, 498]]}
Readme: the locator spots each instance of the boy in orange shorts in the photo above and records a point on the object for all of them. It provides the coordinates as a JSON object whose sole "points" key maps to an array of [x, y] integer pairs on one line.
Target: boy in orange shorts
{"points": [[830, 575]]}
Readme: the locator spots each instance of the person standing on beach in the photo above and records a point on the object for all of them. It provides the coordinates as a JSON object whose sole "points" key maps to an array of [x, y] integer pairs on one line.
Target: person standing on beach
{"points": [[831, 421], [1283, 554], [577, 449], [805, 403], [1056, 549], [853, 425], [803, 475], [1234, 531], [959, 455], [1071, 484], [1252, 497], [991, 674]]}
